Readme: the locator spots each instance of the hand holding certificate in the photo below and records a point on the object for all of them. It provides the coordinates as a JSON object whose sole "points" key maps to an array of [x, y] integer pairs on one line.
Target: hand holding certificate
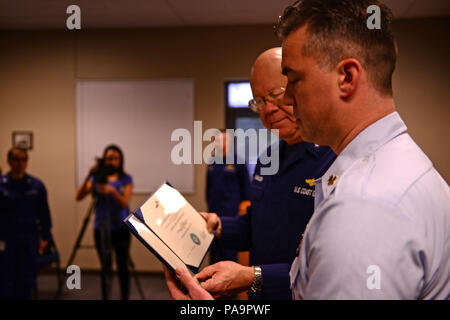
{"points": [[172, 229]]}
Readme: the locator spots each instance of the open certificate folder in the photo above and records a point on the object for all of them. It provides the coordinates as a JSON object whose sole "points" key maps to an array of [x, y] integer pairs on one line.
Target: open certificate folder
{"points": [[172, 229]]}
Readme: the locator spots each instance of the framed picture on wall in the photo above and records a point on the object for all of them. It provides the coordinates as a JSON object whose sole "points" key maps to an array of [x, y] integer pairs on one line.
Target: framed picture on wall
{"points": [[22, 139]]}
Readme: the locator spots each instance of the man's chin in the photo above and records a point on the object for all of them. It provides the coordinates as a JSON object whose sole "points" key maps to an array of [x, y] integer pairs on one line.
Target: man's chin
{"points": [[287, 133]]}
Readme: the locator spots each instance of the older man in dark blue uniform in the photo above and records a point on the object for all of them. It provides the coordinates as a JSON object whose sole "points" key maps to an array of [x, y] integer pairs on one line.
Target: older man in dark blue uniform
{"points": [[24, 227], [281, 204], [227, 190]]}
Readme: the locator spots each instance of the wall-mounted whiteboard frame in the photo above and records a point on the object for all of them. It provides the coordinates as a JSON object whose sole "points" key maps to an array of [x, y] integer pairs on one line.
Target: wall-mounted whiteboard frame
{"points": [[139, 115]]}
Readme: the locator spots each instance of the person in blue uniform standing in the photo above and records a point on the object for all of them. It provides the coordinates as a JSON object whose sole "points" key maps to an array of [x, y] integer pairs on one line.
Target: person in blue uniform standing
{"points": [[112, 188], [227, 190], [281, 204], [25, 226]]}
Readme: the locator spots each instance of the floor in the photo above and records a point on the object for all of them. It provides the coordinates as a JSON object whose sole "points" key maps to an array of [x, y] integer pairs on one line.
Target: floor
{"points": [[153, 287]]}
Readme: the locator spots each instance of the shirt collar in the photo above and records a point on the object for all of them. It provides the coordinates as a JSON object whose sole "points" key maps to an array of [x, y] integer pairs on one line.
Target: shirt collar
{"points": [[365, 143]]}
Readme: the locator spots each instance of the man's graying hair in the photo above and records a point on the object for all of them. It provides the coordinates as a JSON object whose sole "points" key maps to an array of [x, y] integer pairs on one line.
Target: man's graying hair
{"points": [[337, 29]]}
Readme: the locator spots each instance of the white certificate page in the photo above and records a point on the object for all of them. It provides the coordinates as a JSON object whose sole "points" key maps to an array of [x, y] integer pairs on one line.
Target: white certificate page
{"points": [[178, 224]]}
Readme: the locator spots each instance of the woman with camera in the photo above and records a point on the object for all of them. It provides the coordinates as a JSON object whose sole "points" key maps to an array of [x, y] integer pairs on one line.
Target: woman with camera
{"points": [[112, 188]]}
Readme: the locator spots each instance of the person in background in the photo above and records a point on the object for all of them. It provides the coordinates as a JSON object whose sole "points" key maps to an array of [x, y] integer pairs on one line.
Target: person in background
{"points": [[25, 227], [112, 188], [227, 191]]}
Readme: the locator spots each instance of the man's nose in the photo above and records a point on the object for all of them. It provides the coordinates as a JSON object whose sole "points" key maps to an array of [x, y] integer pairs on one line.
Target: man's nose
{"points": [[270, 107]]}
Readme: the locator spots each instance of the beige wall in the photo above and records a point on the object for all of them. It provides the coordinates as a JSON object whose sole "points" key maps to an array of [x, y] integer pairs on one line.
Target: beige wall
{"points": [[421, 86], [37, 81]]}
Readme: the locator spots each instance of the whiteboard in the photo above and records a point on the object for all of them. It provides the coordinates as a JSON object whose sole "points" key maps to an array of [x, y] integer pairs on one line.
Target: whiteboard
{"points": [[139, 116]]}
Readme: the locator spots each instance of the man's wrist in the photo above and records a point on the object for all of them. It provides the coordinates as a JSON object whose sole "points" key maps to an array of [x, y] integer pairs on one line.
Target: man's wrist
{"points": [[257, 284]]}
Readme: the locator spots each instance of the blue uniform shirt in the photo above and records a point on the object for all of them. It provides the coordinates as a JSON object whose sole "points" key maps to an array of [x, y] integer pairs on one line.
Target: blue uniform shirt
{"points": [[226, 186], [107, 210], [381, 228], [23, 203], [281, 207]]}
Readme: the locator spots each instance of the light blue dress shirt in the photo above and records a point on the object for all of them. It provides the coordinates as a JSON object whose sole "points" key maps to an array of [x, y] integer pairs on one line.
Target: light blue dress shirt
{"points": [[381, 226]]}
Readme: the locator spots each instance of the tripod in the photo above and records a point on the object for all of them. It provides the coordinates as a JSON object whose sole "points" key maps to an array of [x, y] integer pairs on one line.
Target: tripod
{"points": [[78, 245]]}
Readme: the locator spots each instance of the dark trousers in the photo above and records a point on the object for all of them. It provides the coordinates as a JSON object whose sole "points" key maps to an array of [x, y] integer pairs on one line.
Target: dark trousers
{"points": [[18, 268], [119, 240]]}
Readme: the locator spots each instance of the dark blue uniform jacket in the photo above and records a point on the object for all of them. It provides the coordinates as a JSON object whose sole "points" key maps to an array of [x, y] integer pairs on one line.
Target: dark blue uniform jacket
{"points": [[23, 209], [282, 205], [24, 218], [226, 186]]}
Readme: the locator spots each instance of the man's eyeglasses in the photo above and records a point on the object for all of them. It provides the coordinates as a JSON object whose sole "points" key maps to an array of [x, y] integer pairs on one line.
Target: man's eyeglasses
{"points": [[275, 96]]}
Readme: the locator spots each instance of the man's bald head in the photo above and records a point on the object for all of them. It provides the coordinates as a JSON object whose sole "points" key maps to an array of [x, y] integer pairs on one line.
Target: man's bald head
{"points": [[268, 66], [265, 77]]}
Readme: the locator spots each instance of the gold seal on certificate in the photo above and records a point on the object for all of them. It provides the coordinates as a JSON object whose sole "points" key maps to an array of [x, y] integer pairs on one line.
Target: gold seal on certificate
{"points": [[171, 228]]}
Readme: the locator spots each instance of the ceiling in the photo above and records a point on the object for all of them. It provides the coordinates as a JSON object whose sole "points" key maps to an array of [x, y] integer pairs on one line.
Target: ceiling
{"points": [[97, 14]]}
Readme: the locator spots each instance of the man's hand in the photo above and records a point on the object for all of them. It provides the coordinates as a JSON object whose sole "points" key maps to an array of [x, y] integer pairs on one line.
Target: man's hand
{"points": [[213, 223], [191, 285], [226, 278]]}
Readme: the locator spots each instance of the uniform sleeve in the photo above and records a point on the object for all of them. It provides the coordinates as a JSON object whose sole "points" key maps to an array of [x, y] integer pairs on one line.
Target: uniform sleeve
{"points": [[45, 221], [236, 232], [363, 250], [276, 285]]}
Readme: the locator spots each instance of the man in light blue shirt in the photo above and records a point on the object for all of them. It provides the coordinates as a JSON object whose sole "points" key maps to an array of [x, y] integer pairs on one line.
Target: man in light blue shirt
{"points": [[381, 225], [381, 229]]}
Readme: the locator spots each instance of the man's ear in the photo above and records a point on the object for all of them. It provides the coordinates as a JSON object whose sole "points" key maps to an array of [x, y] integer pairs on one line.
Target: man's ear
{"points": [[349, 74]]}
